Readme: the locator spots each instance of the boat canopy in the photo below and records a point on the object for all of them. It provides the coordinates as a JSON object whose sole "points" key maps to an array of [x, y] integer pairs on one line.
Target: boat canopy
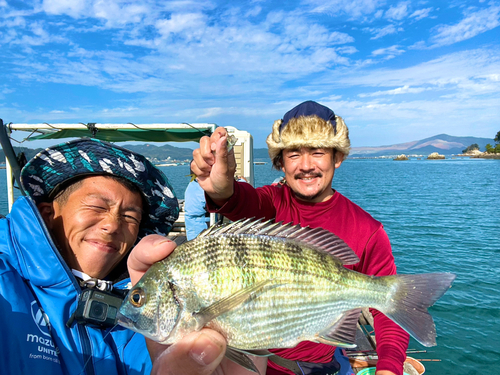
{"points": [[181, 132], [116, 132]]}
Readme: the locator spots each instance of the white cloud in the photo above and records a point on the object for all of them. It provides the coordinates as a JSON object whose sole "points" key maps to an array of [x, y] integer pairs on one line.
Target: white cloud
{"points": [[353, 8], [188, 60], [211, 112], [389, 52], [465, 73], [14, 22], [381, 32], [4, 91], [252, 12], [178, 23], [421, 13], [472, 25], [397, 91], [32, 34], [397, 12], [186, 49], [118, 13], [73, 8]]}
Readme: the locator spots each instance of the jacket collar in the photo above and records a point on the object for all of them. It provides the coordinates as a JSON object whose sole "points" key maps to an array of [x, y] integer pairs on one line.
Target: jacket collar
{"points": [[39, 261]]}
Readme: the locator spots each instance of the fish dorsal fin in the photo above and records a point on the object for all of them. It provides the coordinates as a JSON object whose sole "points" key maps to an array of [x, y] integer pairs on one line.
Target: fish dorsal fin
{"points": [[321, 239], [343, 332], [232, 302]]}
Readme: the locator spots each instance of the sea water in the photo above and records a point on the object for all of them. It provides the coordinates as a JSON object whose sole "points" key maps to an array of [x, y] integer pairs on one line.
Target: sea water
{"points": [[441, 216]]}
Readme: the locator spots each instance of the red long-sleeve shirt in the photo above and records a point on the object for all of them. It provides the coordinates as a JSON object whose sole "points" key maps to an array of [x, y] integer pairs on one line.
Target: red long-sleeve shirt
{"points": [[357, 228]]}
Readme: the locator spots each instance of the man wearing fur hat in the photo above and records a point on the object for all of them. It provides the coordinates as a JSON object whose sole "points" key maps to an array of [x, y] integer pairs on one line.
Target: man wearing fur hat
{"points": [[88, 203], [308, 144]]}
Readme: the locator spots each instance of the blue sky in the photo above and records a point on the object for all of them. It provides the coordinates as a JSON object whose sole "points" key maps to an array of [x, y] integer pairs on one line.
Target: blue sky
{"points": [[396, 71]]}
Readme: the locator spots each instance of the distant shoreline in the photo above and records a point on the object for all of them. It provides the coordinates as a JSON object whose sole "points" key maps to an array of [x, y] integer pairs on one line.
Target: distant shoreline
{"points": [[487, 156]]}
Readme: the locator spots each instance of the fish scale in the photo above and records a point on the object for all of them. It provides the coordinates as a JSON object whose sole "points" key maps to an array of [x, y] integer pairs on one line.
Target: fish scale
{"points": [[268, 285]]}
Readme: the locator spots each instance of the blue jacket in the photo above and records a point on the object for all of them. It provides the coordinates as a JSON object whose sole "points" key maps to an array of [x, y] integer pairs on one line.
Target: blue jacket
{"points": [[38, 294], [196, 216]]}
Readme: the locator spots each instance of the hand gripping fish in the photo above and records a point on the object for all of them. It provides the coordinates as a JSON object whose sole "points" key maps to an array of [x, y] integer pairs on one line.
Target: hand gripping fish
{"points": [[267, 285]]}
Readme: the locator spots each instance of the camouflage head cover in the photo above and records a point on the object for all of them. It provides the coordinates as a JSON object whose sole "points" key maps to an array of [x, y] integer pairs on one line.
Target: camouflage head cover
{"points": [[86, 157]]}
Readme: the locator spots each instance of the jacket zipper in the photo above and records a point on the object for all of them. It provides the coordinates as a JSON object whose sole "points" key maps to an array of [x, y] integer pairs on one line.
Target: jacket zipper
{"points": [[88, 366]]}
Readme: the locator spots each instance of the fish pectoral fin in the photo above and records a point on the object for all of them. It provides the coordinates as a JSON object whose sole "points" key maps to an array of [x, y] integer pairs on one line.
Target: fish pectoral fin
{"points": [[232, 302], [256, 352], [343, 332], [241, 359]]}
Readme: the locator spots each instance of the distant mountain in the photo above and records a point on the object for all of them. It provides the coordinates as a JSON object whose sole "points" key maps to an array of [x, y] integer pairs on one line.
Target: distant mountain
{"points": [[443, 143], [154, 153], [28, 152], [162, 153], [260, 154]]}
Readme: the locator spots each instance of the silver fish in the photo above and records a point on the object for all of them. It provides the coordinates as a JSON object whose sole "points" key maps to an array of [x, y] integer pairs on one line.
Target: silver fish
{"points": [[265, 285], [231, 142]]}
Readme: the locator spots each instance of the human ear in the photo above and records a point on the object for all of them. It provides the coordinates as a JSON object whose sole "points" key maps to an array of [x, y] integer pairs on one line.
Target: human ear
{"points": [[47, 212], [338, 158]]}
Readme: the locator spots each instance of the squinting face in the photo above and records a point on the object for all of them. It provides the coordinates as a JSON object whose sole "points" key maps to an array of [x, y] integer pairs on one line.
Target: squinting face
{"points": [[309, 172], [97, 225]]}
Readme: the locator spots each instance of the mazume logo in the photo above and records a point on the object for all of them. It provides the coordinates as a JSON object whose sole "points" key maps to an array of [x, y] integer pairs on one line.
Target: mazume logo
{"points": [[40, 318]]}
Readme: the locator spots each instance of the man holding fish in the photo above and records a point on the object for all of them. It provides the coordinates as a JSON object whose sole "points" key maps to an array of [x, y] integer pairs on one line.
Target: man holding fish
{"points": [[88, 203], [308, 145]]}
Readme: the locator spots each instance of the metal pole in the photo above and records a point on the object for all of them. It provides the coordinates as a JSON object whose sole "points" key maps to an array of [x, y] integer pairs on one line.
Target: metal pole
{"points": [[11, 165], [10, 187]]}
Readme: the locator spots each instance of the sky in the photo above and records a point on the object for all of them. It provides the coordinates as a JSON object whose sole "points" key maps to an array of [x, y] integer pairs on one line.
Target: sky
{"points": [[396, 71]]}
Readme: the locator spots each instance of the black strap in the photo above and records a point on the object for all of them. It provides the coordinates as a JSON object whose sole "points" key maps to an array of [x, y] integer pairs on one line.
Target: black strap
{"points": [[286, 363]]}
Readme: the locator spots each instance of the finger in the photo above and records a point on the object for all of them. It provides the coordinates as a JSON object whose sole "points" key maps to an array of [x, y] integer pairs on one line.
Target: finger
{"points": [[215, 138], [226, 161], [205, 151], [218, 133], [199, 166], [198, 353], [221, 153], [148, 251]]}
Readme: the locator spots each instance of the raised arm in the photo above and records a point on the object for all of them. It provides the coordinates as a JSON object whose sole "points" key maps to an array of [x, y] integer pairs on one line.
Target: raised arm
{"points": [[215, 166]]}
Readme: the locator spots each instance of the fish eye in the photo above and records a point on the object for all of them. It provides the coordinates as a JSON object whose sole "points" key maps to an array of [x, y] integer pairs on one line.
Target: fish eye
{"points": [[137, 297]]}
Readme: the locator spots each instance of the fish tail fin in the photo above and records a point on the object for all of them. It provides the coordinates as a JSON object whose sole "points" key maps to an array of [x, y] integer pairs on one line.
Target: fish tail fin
{"points": [[413, 295]]}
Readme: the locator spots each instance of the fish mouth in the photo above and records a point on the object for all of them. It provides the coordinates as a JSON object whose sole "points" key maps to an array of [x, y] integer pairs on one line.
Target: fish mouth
{"points": [[124, 321]]}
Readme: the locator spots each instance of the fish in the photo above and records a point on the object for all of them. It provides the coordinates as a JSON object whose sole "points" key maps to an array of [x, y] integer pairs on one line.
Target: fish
{"points": [[231, 142], [267, 285]]}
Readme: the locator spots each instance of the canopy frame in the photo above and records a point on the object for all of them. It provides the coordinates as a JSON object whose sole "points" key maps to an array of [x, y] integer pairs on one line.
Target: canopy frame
{"points": [[158, 132]]}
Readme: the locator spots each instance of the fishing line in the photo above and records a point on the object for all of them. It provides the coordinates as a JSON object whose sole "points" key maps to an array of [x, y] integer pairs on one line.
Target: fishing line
{"points": [[118, 348]]}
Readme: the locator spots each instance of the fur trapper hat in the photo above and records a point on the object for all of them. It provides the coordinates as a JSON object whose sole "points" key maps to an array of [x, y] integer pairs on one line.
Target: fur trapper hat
{"points": [[308, 125]]}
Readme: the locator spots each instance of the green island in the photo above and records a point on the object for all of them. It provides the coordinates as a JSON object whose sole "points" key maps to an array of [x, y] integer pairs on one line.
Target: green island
{"points": [[492, 152]]}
